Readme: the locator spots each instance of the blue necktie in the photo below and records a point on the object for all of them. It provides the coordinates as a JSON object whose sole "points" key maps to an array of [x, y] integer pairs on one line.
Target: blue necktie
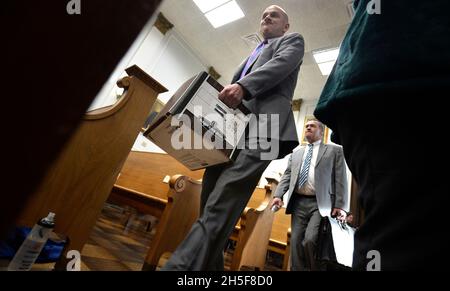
{"points": [[252, 58], [305, 170]]}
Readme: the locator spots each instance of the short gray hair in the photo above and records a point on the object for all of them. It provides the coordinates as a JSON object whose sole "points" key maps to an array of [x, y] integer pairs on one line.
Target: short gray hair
{"points": [[319, 123]]}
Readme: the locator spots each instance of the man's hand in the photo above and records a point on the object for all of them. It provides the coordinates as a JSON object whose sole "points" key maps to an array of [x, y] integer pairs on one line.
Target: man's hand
{"points": [[339, 214], [232, 95], [278, 202]]}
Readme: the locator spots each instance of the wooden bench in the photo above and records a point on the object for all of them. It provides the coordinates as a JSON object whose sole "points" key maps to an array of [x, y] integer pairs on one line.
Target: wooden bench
{"points": [[140, 186], [79, 182], [182, 210], [143, 181], [255, 227]]}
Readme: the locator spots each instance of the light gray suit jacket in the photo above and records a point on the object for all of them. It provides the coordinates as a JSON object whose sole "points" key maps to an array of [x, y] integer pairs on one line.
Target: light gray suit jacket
{"points": [[330, 179], [270, 85]]}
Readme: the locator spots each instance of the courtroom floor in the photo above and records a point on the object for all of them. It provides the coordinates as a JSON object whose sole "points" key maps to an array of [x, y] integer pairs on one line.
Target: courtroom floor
{"points": [[115, 245]]}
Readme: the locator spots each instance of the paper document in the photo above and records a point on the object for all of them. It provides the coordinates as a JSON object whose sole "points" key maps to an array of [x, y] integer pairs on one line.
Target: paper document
{"points": [[343, 236]]}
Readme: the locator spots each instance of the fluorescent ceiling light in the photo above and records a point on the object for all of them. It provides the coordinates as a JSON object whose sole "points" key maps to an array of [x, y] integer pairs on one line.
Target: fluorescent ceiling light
{"points": [[224, 14], [326, 55], [208, 5], [326, 59], [325, 68]]}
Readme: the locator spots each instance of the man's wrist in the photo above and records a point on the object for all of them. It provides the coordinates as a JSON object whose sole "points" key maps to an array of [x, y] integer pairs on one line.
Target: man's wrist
{"points": [[246, 92]]}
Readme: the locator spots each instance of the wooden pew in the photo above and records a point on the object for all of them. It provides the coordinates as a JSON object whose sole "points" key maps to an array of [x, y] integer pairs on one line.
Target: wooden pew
{"points": [[181, 211], [286, 259], [280, 232], [47, 88], [140, 183], [278, 237], [144, 172], [80, 180], [140, 186], [255, 228]]}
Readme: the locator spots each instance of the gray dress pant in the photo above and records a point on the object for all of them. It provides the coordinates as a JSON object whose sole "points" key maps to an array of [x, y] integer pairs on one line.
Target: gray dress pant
{"points": [[305, 222], [225, 193]]}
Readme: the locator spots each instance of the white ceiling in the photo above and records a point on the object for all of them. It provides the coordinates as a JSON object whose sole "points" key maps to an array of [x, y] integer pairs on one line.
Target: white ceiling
{"points": [[322, 23]]}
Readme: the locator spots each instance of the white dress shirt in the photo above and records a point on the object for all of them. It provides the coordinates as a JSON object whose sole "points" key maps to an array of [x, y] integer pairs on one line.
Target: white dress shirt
{"points": [[308, 188]]}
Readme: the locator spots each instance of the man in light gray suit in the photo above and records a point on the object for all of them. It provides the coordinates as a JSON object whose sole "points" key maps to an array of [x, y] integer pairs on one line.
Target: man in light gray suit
{"points": [[315, 182], [265, 84]]}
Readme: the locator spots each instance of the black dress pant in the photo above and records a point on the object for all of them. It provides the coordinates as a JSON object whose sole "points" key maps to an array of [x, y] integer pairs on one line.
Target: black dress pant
{"points": [[397, 154]]}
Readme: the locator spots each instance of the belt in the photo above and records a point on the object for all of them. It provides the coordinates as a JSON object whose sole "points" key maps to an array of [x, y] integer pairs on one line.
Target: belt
{"points": [[307, 196]]}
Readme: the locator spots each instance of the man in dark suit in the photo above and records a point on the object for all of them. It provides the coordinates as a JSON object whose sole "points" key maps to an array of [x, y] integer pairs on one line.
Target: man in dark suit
{"points": [[265, 84], [392, 70], [315, 182]]}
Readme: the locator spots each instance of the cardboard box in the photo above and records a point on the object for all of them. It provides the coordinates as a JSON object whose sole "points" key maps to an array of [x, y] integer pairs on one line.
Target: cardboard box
{"points": [[198, 129]]}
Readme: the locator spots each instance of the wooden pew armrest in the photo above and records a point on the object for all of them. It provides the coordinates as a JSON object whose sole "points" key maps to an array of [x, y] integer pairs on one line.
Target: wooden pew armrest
{"points": [[127, 192]]}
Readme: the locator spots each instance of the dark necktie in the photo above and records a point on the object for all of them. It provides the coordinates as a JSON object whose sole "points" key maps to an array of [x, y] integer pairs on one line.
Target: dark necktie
{"points": [[305, 170]]}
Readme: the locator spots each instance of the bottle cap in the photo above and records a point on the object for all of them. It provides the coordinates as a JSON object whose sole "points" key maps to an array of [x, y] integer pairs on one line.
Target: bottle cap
{"points": [[48, 221], [275, 208]]}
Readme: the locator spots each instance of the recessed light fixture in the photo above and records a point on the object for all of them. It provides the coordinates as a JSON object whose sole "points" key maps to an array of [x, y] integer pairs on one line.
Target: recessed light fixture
{"points": [[208, 5], [220, 12], [325, 59]]}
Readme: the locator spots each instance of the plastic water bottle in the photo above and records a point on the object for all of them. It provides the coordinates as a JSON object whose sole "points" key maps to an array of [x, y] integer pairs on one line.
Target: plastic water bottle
{"points": [[275, 208], [32, 246]]}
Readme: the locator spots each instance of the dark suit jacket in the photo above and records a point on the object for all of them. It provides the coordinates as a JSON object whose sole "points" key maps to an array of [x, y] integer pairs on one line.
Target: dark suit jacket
{"points": [[406, 47], [270, 86]]}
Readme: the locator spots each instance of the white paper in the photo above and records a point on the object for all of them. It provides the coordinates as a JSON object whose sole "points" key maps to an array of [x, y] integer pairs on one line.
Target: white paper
{"points": [[343, 242]]}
